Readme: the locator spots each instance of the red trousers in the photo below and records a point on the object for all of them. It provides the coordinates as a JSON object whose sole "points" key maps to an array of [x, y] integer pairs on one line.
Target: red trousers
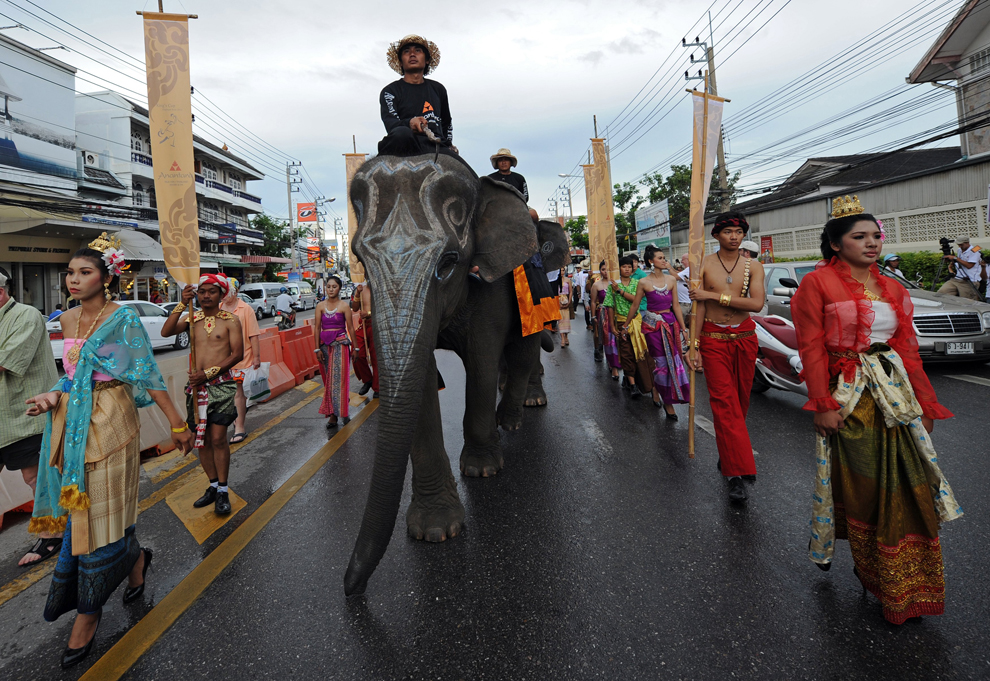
{"points": [[729, 366], [365, 359]]}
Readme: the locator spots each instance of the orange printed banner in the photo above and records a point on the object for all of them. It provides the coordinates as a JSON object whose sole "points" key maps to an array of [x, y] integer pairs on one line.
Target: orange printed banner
{"points": [[601, 227], [351, 164], [166, 48], [306, 212]]}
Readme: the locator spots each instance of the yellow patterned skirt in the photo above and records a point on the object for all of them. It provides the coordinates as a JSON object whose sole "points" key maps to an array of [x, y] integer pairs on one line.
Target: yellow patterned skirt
{"points": [[113, 466]]}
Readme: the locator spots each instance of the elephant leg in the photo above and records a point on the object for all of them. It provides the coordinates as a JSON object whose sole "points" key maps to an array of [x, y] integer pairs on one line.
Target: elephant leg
{"points": [[503, 373], [436, 512], [535, 396], [482, 452], [523, 358]]}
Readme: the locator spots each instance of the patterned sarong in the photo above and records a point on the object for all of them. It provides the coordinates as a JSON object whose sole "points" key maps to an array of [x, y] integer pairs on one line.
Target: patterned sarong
{"points": [[336, 375], [607, 338], [670, 376], [879, 486], [211, 403]]}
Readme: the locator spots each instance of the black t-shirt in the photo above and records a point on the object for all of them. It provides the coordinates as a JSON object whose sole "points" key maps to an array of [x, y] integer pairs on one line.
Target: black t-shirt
{"points": [[513, 180], [402, 101]]}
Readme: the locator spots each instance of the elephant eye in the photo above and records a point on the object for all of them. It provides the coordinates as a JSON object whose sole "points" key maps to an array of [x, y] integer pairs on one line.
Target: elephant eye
{"points": [[446, 264], [454, 211]]}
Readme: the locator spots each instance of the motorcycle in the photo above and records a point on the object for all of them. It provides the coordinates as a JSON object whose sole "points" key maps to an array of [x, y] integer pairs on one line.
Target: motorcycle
{"points": [[778, 364], [287, 320]]}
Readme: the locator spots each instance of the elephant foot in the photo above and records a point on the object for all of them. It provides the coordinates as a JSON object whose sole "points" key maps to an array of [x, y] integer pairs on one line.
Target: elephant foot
{"points": [[535, 397], [508, 418], [481, 462], [435, 517]]}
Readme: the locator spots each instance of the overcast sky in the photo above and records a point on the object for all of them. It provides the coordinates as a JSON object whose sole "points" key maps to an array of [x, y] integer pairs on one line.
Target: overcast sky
{"points": [[305, 75]]}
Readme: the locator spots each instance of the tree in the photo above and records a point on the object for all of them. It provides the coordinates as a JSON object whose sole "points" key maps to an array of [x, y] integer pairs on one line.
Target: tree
{"points": [[278, 239], [676, 188], [627, 199], [577, 229]]}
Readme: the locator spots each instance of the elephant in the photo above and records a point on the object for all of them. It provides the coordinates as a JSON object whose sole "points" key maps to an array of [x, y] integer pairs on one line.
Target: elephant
{"points": [[439, 245]]}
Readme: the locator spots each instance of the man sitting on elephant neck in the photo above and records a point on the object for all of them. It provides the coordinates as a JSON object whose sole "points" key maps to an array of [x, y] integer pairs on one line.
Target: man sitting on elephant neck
{"points": [[414, 109], [503, 161]]}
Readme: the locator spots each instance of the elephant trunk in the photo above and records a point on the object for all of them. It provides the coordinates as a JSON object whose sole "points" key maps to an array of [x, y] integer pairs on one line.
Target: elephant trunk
{"points": [[403, 342]]}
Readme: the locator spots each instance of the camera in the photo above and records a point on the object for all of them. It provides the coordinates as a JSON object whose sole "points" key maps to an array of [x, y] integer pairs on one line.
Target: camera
{"points": [[944, 244]]}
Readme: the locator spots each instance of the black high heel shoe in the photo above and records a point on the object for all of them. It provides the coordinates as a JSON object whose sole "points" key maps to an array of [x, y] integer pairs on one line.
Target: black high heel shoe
{"points": [[133, 593], [73, 656]]}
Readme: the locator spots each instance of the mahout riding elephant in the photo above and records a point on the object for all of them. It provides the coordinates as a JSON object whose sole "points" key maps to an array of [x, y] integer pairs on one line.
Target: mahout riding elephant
{"points": [[424, 223]]}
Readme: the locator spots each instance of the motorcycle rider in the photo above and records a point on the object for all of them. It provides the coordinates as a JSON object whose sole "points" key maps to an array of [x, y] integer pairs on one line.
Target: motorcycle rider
{"points": [[283, 304]]}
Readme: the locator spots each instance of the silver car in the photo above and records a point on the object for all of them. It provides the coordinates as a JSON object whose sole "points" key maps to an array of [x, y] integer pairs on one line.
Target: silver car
{"points": [[949, 328]]}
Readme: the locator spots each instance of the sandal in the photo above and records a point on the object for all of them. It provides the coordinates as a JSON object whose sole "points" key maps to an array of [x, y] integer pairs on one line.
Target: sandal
{"points": [[44, 547], [238, 437]]}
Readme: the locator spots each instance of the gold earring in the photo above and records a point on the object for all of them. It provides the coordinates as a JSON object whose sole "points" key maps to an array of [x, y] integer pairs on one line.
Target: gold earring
{"points": [[106, 290]]}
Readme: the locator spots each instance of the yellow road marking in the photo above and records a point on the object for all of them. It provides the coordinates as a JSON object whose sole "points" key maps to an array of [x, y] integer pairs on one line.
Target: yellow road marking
{"points": [[157, 462], [201, 522], [308, 386], [39, 572], [143, 635]]}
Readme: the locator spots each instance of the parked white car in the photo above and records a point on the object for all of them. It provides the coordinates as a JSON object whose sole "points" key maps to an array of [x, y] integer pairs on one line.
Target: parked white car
{"points": [[257, 305], [152, 317]]}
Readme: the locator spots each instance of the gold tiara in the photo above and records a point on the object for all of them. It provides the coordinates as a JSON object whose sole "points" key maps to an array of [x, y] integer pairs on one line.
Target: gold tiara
{"points": [[103, 242], [844, 207]]}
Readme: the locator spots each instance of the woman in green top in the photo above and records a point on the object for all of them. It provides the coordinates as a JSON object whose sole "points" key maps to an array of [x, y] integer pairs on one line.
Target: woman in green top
{"points": [[633, 354]]}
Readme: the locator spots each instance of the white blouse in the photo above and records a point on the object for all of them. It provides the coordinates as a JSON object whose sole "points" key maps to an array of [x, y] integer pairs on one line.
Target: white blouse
{"points": [[884, 322]]}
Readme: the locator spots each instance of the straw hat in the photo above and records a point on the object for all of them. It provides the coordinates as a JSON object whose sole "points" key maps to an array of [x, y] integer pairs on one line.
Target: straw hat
{"points": [[395, 50], [503, 153]]}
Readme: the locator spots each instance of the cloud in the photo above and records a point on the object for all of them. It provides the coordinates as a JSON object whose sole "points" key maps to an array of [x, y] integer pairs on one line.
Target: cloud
{"points": [[594, 57], [635, 44]]}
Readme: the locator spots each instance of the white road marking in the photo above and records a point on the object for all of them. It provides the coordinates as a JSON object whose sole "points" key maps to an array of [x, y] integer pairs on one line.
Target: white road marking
{"points": [[971, 379], [603, 448], [709, 427]]}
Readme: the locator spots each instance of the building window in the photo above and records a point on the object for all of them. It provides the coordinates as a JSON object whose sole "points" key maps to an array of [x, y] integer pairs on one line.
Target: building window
{"points": [[235, 182], [136, 145], [979, 61]]}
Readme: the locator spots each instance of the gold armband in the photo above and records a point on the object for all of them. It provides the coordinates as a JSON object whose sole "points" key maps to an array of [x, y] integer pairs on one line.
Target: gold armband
{"points": [[725, 299], [211, 373], [183, 429], [178, 308]]}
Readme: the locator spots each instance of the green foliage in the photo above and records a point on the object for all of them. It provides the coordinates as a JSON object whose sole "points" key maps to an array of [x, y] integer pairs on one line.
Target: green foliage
{"points": [[577, 230], [627, 200], [676, 188], [924, 263], [278, 239]]}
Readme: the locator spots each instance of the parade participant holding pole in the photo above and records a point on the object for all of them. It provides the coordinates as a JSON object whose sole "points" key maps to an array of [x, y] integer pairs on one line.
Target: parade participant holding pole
{"points": [[415, 110], [90, 462], [663, 326], [878, 483], [210, 407], [605, 344], [731, 288], [334, 339], [625, 324], [251, 342]]}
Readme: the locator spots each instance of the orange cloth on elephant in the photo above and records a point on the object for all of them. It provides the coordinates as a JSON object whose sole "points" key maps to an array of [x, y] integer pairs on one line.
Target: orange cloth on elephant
{"points": [[532, 316]]}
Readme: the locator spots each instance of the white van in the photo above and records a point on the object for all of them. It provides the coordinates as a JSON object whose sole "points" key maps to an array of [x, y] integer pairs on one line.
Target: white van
{"points": [[302, 294], [266, 293]]}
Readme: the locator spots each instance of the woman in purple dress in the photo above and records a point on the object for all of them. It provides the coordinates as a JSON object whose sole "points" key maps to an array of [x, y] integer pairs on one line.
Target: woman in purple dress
{"points": [[663, 325], [604, 340], [334, 338]]}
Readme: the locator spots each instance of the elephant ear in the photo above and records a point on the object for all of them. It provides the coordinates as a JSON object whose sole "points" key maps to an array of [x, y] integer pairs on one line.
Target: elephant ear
{"points": [[505, 236], [554, 245]]}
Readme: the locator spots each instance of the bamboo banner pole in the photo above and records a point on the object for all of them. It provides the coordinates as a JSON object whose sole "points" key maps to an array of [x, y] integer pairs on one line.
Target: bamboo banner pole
{"points": [[707, 124]]}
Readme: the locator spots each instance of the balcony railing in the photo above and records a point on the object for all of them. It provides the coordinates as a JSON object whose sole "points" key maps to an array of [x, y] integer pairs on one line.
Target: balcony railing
{"points": [[214, 184], [200, 179], [244, 195], [138, 157]]}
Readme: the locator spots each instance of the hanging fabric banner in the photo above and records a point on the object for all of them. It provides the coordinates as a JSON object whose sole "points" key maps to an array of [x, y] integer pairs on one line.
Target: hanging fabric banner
{"points": [[351, 164], [166, 46], [707, 126], [589, 197], [602, 233]]}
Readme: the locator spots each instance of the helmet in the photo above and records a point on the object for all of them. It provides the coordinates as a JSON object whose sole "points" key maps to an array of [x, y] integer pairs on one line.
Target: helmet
{"points": [[283, 290], [891, 256]]}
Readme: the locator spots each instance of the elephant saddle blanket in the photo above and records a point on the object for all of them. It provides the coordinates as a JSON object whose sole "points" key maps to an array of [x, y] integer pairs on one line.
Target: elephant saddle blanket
{"points": [[538, 303]]}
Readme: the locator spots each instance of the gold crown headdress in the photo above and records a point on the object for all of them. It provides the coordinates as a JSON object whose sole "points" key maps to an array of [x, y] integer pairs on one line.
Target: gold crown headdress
{"points": [[844, 207], [103, 242]]}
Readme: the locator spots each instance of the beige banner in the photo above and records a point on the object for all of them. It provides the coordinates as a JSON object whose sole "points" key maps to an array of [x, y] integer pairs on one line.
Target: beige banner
{"points": [[351, 163], [595, 256], [601, 233], [707, 125], [166, 47]]}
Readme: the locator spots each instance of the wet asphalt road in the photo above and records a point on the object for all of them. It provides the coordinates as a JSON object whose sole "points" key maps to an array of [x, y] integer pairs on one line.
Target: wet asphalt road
{"points": [[600, 552]]}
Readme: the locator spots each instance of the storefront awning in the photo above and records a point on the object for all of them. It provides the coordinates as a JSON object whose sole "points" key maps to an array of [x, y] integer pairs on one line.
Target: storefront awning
{"points": [[264, 259], [232, 263], [139, 246]]}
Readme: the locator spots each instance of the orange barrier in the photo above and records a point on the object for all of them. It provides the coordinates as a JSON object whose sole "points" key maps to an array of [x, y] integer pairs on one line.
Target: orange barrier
{"points": [[299, 349], [280, 377]]}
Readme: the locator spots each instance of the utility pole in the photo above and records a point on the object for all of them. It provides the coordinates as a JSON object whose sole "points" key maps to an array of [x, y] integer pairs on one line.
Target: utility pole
{"points": [[723, 173], [291, 169]]}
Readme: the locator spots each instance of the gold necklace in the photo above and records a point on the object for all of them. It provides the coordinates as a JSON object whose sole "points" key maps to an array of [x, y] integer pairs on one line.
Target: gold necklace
{"points": [[867, 293], [73, 354]]}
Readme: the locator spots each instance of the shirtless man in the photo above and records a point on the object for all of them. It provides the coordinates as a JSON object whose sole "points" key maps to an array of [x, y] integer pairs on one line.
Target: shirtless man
{"points": [[731, 288], [210, 405]]}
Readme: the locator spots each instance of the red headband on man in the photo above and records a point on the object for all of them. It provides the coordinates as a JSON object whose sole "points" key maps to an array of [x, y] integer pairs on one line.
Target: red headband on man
{"points": [[218, 280], [722, 223]]}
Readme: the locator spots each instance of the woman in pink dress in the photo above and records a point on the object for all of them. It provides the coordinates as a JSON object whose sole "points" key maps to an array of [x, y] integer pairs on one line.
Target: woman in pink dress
{"points": [[334, 337]]}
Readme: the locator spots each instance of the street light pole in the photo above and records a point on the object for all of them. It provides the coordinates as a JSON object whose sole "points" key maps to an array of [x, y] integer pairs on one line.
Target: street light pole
{"points": [[290, 182]]}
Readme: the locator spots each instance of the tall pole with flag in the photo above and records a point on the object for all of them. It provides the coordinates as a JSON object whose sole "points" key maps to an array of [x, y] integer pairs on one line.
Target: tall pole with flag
{"points": [[166, 48], [352, 162], [601, 213], [707, 128]]}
